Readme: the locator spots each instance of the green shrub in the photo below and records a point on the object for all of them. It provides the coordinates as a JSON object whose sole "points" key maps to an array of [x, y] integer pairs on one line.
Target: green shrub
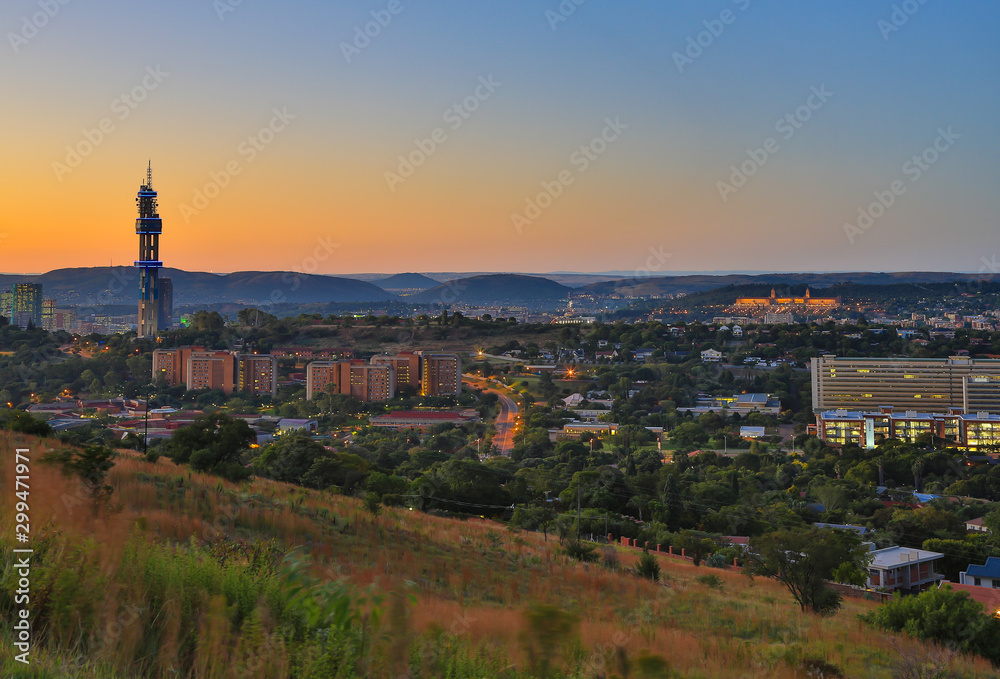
{"points": [[710, 580], [581, 551], [648, 567], [949, 617]]}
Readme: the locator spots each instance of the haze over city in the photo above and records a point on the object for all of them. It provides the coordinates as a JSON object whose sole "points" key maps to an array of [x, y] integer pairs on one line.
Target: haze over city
{"points": [[462, 136]]}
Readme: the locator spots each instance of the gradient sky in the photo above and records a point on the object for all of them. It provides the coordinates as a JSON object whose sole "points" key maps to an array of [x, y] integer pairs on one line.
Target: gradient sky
{"points": [[316, 198]]}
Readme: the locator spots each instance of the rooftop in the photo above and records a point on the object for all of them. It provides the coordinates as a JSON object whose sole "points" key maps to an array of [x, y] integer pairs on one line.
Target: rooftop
{"points": [[991, 569], [893, 557]]}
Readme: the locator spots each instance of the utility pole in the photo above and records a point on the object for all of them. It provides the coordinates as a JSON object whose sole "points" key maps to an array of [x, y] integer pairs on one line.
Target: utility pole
{"points": [[578, 484], [145, 427]]}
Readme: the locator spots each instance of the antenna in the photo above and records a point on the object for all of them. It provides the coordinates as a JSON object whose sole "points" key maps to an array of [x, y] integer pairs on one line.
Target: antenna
{"points": [[149, 174]]}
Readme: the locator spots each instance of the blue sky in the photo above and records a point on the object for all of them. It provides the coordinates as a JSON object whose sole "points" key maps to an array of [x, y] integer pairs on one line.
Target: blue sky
{"points": [[894, 88]]}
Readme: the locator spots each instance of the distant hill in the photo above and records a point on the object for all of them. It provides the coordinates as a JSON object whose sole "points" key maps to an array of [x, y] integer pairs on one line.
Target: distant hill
{"points": [[94, 286], [495, 289], [666, 285], [406, 281]]}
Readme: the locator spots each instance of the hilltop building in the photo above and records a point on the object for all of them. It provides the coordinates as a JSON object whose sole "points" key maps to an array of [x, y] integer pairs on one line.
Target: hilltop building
{"points": [[148, 226], [807, 303]]}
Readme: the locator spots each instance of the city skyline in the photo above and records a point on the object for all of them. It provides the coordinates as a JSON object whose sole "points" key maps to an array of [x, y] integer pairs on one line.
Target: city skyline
{"points": [[547, 140]]}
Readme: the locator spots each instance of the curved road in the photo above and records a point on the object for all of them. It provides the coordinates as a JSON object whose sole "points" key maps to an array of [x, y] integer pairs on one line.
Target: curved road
{"points": [[507, 418]]}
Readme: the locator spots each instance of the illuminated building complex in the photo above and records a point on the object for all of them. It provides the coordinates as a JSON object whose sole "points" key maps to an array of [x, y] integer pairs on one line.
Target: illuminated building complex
{"points": [[774, 305], [926, 384], [148, 227]]}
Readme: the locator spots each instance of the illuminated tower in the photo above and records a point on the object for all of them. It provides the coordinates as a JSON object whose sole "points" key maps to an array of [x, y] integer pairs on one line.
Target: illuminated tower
{"points": [[148, 227]]}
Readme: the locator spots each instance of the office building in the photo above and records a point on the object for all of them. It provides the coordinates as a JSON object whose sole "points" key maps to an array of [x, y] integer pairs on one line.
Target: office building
{"points": [[166, 311], [6, 303], [27, 304], [923, 384], [405, 366], [971, 431], [257, 374], [210, 370], [49, 314], [440, 374], [148, 226], [64, 319]]}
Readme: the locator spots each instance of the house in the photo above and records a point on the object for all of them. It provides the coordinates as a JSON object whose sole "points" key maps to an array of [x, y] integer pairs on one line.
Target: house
{"points": [[976, 525], [711, 356], [903, 569], [288, 424], [987, 596], [987, 575], [573, 400], [860, 530], [643, 354], [751, 432], [737, 331]]}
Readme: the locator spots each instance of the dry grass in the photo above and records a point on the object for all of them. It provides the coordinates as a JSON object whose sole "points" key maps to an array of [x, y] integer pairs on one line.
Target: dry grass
{"points": [[469, 585]]}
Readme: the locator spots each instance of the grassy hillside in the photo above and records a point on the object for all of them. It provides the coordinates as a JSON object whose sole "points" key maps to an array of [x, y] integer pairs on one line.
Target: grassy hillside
{"points": [[186, 575]]}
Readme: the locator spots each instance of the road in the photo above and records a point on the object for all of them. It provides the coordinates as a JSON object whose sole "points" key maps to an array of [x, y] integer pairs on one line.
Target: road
{"points": [[507, 418]]}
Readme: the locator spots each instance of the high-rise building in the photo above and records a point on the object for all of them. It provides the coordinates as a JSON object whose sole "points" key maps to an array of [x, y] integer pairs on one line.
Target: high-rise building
{"points": [[166, 311], [49, 314], [27, 303], [368, 383], [320, 374], [440, 374], [364, 381], [64, 319], [148, 226], [405, 366], [171, 364], [6, 303], [257, 374], [210, 370], [923, 384]]}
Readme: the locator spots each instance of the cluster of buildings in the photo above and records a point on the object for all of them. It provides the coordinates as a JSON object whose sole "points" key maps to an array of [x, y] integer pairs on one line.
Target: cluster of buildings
{"points": [[25, 305], [429, 374], [226, 371], [862, 400]]}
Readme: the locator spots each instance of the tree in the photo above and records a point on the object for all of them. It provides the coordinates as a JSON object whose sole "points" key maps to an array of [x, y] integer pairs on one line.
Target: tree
{"points": [[213, 443], [91, 464], [696, 545], [289, 458], [23, 423], [947, 616], [804, 560]]}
